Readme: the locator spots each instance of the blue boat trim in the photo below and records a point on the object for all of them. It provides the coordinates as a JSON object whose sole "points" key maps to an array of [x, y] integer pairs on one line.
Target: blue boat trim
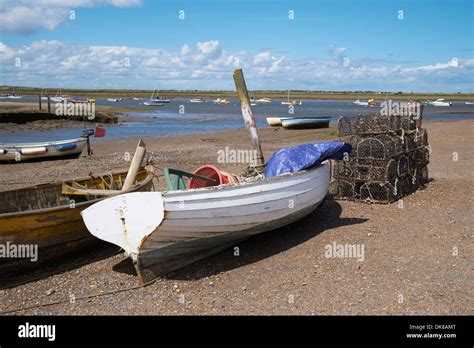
{"points": [[66, 147]]}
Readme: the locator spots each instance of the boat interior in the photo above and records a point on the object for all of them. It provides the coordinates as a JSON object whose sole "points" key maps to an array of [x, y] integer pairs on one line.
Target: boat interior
{"points": [[60, 194]]}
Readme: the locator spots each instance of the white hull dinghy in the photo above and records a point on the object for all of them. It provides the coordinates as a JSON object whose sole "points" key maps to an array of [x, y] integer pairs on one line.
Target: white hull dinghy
{"points": [[45, 150], [163, 232]]}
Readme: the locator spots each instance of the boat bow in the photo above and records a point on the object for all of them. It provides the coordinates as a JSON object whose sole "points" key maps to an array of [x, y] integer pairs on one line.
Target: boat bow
{"points": [[125, 220]]}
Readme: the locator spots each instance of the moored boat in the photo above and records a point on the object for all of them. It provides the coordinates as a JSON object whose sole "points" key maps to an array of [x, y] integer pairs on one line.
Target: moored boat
{"points": [[361, 103], [293, 102], [198, 100], [221, 101], [305, 122], [153, 103], [439, 102], [79, 100], [48, 216]]}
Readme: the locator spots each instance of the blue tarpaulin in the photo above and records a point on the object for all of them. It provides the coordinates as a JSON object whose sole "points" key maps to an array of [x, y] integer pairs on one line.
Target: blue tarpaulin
{"points": [[296, 158]]}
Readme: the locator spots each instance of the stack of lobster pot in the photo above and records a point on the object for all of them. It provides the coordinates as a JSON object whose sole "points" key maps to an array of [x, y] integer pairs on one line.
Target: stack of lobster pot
{"points": [[390, 154]]}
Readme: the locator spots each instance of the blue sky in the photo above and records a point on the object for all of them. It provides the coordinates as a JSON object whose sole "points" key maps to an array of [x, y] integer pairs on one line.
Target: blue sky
{"points": [[331, 45]]}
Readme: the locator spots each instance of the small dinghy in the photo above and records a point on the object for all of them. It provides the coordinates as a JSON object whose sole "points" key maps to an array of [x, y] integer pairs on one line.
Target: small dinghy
{"points": [[71, 148], [305, 123], [275, 121]]}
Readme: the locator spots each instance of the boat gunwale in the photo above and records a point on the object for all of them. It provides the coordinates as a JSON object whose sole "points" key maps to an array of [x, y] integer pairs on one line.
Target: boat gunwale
{"points": [[247, 184], [39, 144], [143, 183]]}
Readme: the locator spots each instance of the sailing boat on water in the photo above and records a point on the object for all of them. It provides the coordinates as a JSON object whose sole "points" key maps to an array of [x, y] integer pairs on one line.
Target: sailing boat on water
{"points": [[155, 100], [293, 102], [14, 96]]}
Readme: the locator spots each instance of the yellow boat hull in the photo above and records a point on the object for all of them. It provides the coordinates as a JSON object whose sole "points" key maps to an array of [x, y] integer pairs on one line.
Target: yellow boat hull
{"points": [[55, 231]]}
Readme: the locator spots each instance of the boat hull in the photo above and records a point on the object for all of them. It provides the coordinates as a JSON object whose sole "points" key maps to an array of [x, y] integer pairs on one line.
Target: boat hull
{"points": [[56, 231], [199, 223], [39, 151], [305, 123], [274, 121]]}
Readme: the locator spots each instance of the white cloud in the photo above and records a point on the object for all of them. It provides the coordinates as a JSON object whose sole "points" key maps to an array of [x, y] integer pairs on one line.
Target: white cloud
{"points": [[26, 16], [261, 58], [206, 65]]}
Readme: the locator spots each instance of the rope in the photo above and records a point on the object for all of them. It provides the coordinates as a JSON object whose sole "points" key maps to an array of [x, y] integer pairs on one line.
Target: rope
{"points": [[78, 298]]}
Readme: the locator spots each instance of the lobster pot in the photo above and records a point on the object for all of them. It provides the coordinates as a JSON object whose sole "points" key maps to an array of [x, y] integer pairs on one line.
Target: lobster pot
{"points": [[379, 147], [416, 139], [403, 165], [363, 124], [397, 122], [378, 192], [420, 175], [345, 189], [420, 157], [364, 171]]}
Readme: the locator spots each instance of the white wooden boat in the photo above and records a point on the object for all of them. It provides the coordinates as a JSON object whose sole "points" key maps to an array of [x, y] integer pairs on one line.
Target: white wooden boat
{"points": [[27, 151], [440, 102], [163, 232], [275, 121]]}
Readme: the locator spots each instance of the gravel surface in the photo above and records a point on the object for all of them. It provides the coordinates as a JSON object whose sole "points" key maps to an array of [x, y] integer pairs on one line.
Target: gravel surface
{"points": [[418, 257]]}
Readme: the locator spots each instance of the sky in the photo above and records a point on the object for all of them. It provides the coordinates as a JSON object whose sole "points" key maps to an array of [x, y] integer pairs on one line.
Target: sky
{"points": [[384, 45]]}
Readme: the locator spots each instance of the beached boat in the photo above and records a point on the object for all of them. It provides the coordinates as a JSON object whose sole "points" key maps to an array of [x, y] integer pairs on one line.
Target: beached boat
{"points": [[293, 102], [305, 122], [48, 216], [165, 231], [20, 152], [275, 121], [198, 100], [439, 102]]}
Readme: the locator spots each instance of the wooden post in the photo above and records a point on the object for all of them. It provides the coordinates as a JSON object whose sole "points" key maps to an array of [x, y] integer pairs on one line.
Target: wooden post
{"points": [[88, 142], [49, 105], [134, 166], [39, 100], [247, 113]]}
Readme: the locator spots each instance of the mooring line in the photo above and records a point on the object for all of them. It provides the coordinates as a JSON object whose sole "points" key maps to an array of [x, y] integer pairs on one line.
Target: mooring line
{"points": [[78, 298]]}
